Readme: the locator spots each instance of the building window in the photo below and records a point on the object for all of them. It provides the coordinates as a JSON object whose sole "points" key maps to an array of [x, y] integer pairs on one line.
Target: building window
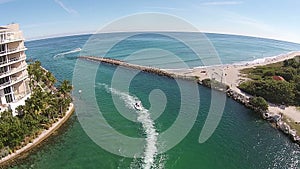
{"points": [[9, 98], [7, 90], [2, 37], [2, 59], [4, 80], [2, 48], [3, 69]]}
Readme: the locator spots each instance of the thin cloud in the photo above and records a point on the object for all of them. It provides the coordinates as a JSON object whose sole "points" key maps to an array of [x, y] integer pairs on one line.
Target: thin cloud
{"points": [[221, 3], [38, 25], [5, 1], [165, 8], [253, 27], [67, 9], [239, 19]]}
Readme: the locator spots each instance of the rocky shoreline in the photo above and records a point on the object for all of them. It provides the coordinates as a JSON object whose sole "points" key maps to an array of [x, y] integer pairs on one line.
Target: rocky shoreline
{"points": [[274, 119]]}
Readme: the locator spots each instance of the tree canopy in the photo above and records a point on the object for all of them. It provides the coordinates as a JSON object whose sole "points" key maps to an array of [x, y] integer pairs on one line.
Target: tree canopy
{"points": [[43, 108], [259, 103], [263, 84]]}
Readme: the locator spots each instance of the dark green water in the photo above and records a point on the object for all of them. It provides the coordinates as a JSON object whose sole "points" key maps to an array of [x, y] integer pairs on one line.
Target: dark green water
{"points": [[241, 140]]}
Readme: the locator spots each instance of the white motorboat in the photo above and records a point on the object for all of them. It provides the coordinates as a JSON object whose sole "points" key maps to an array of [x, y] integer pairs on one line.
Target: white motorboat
{"points": [[138, 106], [77, 50]]}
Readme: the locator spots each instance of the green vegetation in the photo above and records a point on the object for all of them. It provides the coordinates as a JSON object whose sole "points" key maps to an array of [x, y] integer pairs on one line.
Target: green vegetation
{"points": [[40, 111], [211, 83], [280, 91], [259, 103]]}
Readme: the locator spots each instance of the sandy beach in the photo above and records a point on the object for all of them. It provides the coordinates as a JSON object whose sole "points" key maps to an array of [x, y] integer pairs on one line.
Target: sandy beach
{"points": [[44, 135], [230, 75]]}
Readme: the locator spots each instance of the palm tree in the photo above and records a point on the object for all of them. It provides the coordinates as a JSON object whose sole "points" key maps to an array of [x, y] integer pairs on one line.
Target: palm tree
{"points": [[50, 79], [38, 101], [65, 88], [35, 73]]}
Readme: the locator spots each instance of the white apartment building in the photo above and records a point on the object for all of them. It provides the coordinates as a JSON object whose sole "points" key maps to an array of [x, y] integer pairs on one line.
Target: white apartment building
{"points": [[14, 81]]}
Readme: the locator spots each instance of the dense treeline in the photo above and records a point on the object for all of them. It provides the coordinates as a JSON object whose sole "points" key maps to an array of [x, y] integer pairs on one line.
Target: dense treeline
{"points": [[280, 91], [45, 105]]}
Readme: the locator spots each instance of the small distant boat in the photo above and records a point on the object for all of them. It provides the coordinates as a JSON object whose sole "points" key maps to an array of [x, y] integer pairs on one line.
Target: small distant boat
{"points": [[138, 106], [77, 49]]}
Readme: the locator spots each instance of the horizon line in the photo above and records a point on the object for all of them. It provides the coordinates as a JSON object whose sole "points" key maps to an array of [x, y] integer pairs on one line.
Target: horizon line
{"points": [[171, 31]]}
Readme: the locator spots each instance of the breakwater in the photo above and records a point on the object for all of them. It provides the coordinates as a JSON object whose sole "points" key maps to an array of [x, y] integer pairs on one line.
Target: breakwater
{"points": [[148, 69], [213, 84]]}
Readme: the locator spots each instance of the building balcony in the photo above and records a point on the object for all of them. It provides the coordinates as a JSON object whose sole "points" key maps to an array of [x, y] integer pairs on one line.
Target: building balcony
{"points": [[3, 85], [11, 51], [12, 61], [13, 81], [8, 37], [13, 71]]}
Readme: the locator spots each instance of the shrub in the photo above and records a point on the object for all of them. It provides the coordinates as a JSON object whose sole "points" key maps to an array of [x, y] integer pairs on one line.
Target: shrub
{"points": [[259, 103]]}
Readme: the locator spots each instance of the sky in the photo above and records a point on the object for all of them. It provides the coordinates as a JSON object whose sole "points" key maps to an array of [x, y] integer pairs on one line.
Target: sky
{"points": [[275, 19]]}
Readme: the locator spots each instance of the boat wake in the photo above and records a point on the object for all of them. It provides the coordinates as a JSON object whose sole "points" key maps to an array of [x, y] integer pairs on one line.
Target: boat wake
{"points": [[143, 116], [66, 53]]}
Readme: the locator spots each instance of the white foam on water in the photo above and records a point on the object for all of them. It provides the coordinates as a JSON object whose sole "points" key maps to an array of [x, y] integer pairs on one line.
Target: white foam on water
{"points": [[242, 63], [143, 116], [65, 53]]}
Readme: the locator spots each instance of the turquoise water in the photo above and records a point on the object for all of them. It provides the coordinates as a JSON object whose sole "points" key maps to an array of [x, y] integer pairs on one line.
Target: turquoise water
{"points": [[241, 140]]}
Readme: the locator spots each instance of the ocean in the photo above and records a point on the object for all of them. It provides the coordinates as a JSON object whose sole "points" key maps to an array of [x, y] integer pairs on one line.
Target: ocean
{"points": [[241, 140]]}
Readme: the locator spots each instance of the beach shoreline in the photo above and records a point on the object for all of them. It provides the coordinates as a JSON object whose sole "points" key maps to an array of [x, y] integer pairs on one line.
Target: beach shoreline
{"points": [[230, 73], [232, 77], [43, 136]]}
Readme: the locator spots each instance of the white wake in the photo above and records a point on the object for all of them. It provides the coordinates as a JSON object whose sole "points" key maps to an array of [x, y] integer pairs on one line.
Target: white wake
{"points": [[66, 53], [143, 116]]}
